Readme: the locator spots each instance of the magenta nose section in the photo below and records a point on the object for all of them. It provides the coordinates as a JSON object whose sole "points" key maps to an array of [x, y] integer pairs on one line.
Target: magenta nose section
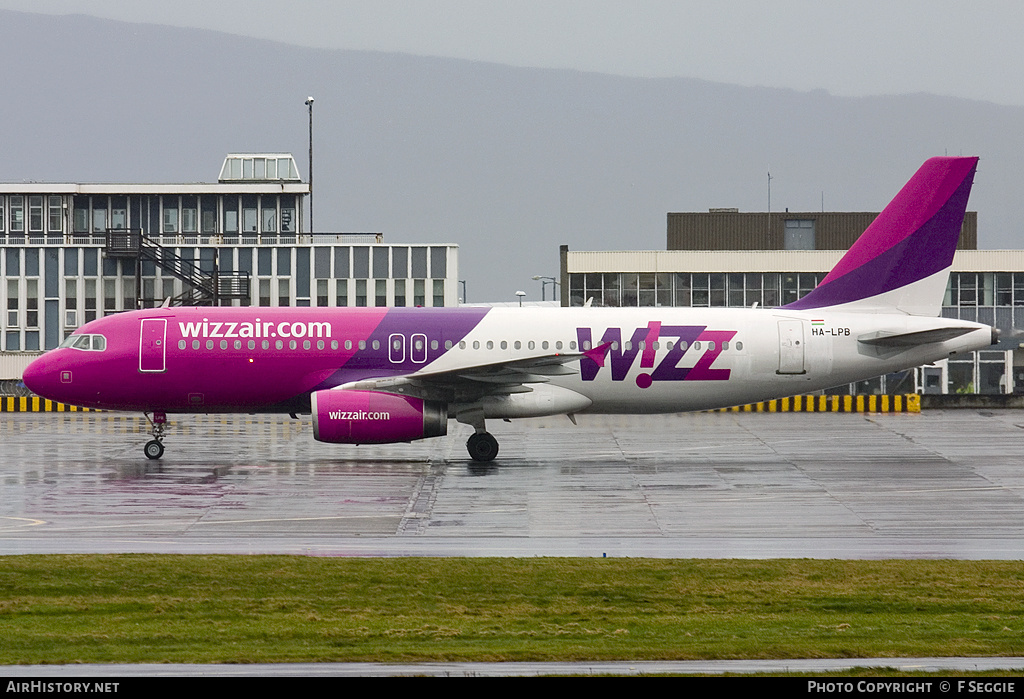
{"points": [[43, 379]]}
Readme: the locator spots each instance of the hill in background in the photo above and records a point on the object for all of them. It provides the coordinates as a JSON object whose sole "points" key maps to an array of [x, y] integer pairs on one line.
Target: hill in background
{"points": [[507, 162]]}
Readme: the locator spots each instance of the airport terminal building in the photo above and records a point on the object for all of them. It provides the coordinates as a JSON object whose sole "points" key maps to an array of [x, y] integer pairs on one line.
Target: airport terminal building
{"points": [[725, 258], [72, 252]]}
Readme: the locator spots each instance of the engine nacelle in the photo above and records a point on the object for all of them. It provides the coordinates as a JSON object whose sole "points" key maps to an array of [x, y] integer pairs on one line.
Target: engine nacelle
{"points": [[371, 417]]}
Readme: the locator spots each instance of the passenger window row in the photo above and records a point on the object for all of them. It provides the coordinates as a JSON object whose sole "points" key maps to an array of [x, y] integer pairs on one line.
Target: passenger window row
{"points": [[98, 343], [696, 347]]}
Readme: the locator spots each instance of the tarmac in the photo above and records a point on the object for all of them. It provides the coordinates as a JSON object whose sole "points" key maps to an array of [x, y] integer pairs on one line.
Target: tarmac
{"points": [[936, 484]]}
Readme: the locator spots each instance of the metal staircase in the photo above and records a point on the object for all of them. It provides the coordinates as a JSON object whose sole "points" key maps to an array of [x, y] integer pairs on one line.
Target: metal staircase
{"points": [[202, 288]]}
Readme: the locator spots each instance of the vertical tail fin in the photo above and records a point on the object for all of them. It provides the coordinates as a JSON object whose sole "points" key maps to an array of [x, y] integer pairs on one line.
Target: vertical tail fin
{"points": [[902, 261]]}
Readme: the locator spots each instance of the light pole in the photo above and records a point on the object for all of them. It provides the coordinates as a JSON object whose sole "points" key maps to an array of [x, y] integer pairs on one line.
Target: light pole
{"points": [[309, 103], [520, 294], [544, 281]]}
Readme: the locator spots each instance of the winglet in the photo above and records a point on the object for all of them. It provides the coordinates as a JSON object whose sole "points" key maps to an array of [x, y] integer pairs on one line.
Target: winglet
{"points": [[902, 260]]}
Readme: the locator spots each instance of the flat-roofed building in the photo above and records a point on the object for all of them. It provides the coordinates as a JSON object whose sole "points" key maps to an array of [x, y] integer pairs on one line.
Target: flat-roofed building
{"points": [[986, 286], [731, 229], [72, 252]]}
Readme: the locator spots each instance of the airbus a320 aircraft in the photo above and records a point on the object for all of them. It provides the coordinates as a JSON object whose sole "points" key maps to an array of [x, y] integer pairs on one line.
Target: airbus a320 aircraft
{"points": [[380, 375]]}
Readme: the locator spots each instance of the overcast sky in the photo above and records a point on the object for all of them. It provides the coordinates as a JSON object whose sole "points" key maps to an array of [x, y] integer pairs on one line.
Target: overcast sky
{"points": [[868, 47]]}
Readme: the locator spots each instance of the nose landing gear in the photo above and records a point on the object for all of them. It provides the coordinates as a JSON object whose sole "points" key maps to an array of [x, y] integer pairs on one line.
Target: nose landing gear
{"points": [[154, 448]]}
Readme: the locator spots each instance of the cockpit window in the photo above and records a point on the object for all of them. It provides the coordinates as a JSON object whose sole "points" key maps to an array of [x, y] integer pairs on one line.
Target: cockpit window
{"points": [[89, 343]]}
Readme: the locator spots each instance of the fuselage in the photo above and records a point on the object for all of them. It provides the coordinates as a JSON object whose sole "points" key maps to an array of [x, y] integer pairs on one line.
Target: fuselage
{"points": [[384, 375], [636, 360]]}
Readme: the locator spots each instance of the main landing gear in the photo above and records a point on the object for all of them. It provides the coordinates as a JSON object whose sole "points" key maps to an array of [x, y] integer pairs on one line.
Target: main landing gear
{"points": [[482, 446], [154, 448]]}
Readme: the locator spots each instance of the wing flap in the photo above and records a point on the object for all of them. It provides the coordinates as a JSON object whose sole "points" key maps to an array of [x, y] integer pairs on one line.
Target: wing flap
{"points": [[470, 383]]}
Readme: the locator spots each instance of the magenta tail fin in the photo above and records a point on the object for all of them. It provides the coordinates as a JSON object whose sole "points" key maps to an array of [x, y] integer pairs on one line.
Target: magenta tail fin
{"points": [[902, 260]]}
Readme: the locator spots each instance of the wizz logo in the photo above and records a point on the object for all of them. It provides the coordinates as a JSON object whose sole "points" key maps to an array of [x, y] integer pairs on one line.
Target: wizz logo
{"points": [[620, 357]]}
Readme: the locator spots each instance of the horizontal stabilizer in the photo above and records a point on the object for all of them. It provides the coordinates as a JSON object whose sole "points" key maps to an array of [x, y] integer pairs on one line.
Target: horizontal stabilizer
{"points": [[922, 337]]}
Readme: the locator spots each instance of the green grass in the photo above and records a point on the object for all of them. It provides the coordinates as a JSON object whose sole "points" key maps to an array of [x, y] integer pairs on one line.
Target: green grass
{"points": [[238, 609]]}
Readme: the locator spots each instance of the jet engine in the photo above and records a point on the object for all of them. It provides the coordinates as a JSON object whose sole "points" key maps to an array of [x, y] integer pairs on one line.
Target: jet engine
{"points": [[371, 417]]}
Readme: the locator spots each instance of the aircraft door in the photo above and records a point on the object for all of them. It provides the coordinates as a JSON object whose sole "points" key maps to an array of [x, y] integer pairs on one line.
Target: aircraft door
{"points": [[791, 347], [152, 345]]}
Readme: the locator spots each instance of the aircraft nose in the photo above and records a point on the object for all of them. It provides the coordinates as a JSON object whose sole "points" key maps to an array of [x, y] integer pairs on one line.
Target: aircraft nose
{"points": [[39, 377]]}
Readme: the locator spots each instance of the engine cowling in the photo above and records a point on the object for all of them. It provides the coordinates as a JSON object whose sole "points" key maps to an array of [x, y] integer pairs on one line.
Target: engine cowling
{"points": [[371, 417]]}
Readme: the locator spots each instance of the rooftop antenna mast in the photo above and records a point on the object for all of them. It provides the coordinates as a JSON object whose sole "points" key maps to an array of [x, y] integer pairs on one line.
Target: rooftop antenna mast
{"points": [[309, 103]]}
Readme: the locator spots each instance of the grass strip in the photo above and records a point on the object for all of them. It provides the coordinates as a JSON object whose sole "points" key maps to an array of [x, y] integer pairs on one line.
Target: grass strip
{"points": [[241, 609]]}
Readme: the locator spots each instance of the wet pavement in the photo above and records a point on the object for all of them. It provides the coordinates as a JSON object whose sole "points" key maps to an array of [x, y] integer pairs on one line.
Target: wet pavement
{"points": [[940, 484]]}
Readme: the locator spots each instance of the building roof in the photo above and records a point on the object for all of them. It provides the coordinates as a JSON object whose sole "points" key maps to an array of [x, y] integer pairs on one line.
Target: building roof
{"points": [[761, 260], [241, 173], [240, 187]]}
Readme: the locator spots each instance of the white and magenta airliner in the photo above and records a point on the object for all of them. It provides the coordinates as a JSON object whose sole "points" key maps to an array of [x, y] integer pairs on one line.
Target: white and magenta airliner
{"points": [[380, 375]]}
